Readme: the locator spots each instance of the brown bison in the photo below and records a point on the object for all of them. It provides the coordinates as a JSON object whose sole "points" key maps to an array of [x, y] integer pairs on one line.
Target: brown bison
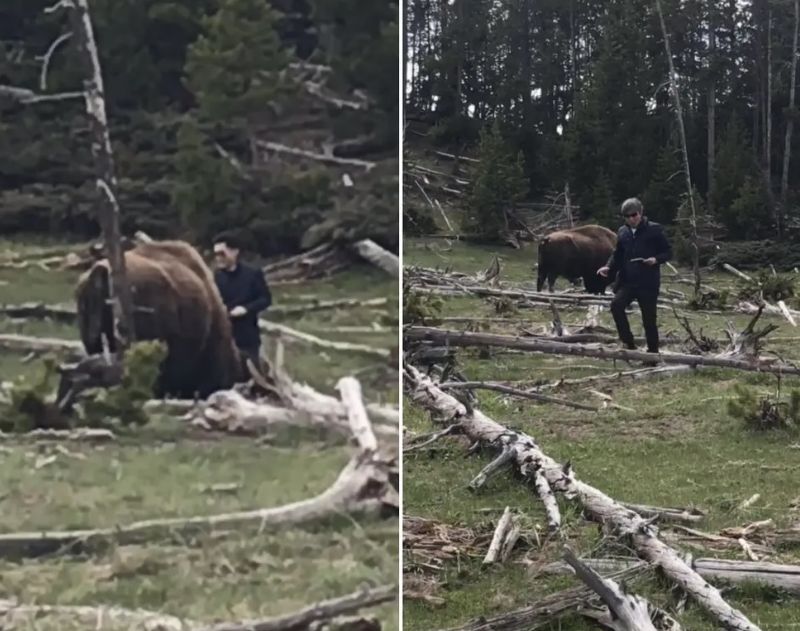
{"points": [[175, 300], [576, 253]]}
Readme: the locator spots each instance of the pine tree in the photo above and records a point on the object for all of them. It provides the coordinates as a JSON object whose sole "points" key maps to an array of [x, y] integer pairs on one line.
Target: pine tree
{"points": [[236, 69], [662, 198], [499, 183], [205, 185]]}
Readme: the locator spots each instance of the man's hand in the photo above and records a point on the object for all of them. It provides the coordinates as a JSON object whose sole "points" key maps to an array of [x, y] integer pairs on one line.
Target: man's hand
{"points": [[603, 271], [651, 261], [238, 312]]}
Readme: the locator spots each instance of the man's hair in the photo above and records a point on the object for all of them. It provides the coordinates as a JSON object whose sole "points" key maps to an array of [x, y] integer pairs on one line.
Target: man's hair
{"points": [[630, 205], [230, 239]]}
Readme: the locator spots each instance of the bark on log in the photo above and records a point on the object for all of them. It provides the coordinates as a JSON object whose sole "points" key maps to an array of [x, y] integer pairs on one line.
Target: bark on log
{"points": [[463, 338], [598, 505], [376, 255]]}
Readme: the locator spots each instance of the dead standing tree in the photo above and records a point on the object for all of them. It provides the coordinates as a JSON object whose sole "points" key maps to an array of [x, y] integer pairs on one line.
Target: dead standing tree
{"points": [[673, 90], [108, 208]]}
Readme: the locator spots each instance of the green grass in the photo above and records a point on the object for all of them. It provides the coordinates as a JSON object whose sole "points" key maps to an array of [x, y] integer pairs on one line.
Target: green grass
{"points": [[676, 446], [163, 470]]}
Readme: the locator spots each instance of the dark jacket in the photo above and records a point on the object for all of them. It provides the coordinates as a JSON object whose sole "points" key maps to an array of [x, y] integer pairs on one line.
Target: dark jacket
{"points": [[648, 241], [244, 286]]}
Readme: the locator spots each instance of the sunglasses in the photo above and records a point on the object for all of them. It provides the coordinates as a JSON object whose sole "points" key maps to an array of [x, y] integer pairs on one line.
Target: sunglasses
{"points": [[630, 214]]}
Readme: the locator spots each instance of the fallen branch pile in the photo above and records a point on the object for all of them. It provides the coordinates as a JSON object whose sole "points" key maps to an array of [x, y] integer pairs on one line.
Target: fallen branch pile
{"points": [[428, 544], [533, 463], [13, 615], [319, 262], [367, 484]]}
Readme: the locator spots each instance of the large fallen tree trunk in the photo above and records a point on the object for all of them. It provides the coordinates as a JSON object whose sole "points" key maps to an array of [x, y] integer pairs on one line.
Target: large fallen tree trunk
{"points": [[465, 338], [785, 577], [625, 612], [363, 486], [529, 457], [375, 254]]}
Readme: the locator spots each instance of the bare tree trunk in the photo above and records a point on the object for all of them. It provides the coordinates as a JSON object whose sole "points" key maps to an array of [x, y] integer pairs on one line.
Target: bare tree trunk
{"points": [[673, 88], [94, 93], [712, 102], [768, 103], [768, 139], [787, 147]]}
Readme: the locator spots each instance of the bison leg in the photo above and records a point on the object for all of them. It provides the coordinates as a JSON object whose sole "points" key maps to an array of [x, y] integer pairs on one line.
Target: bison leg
{"points": [[540, 280]]}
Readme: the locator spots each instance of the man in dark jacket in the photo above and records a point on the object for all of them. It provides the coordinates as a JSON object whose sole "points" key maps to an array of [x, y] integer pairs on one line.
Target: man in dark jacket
{"points": [[244, 292], [641, 249]]}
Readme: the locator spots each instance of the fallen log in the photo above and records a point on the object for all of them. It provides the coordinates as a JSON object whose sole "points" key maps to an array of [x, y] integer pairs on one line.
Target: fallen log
{"points": [[785, 577], [376, 255], [498, 387], [321, 305], [311, 155], [281, 330], [60, 313], [547, 611], [363, 486], [325, 610], [624, 612], [465, 338], [81, 434], [27, 343], [500, 532], [596, 504], [639, 373]]}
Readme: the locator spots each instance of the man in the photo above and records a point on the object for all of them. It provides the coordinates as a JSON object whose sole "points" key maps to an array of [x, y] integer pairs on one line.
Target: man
{"points": [[244, 292], [641, 249]]}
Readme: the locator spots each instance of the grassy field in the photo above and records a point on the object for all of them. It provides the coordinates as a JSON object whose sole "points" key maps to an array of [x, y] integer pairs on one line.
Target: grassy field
{"points": [[674, 444], [162, 471]]}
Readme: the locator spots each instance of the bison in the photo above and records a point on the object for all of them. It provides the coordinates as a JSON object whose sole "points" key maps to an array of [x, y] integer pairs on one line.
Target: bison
{"points": [[176, 301], [576, 253]]}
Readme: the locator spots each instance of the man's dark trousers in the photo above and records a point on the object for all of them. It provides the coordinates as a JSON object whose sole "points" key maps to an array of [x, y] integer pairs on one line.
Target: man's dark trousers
{"points": [[648, 303]]}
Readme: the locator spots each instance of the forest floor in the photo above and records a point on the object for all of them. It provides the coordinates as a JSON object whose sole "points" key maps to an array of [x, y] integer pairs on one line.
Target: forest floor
{"points": [[670, 443], [163, 470]]}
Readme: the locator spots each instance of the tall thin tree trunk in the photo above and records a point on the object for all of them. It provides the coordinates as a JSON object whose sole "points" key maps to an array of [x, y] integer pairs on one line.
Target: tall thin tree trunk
{"points": [[787, 145], [768, 106], [673, 88], [712, 101], [122, 301]]}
